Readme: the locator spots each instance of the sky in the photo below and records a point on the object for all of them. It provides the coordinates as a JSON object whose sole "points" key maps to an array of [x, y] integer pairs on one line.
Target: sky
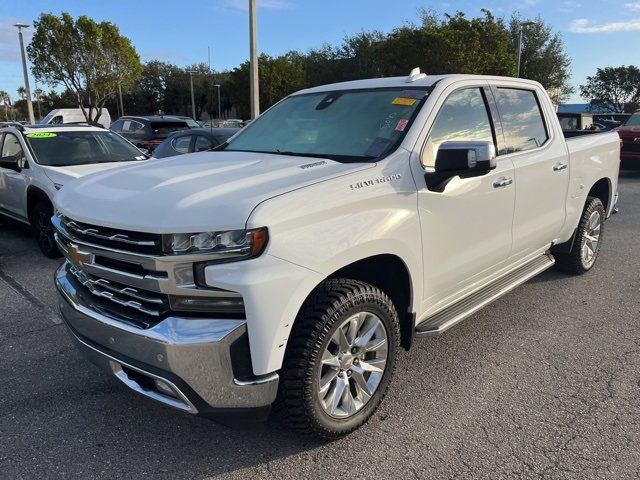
{"points": [[597, 33]]}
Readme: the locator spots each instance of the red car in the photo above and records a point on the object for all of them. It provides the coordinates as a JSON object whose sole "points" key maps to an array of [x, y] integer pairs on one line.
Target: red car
{"points": [[630, 135]]}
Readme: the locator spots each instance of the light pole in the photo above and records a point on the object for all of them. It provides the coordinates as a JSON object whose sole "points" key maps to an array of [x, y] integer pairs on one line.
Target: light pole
{"points": [[521, 26], [219, 111], [253, 50], [193, 98], [120, 96], [20, 26]]}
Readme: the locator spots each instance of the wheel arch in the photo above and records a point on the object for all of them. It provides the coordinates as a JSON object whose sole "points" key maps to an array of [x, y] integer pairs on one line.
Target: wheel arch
{"points": [[36, 195], [602, 190], [389, 273]]}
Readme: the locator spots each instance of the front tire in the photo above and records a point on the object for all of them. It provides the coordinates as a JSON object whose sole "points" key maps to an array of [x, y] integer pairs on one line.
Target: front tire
{"points": [[340, 359], [587, 242], [41, 223]]}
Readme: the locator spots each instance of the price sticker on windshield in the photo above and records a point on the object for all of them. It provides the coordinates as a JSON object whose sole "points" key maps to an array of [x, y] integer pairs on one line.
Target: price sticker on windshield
{"points": [[41, 135], [407, 102]]}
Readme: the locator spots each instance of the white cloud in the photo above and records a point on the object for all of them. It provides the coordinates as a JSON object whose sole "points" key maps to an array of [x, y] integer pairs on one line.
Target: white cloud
{"points": [[583, 25], [270, 4], [569, 6], [633, 5]]}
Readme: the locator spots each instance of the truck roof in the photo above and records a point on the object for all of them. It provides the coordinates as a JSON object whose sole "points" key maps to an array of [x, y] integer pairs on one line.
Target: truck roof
{"points": [[415, 79]]}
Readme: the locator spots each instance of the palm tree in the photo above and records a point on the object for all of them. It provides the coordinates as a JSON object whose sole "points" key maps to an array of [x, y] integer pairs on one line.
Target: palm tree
{"points": [[4, 97], [22, 92]]}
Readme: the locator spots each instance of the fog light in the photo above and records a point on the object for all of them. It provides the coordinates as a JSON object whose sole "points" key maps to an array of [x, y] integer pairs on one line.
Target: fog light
{"points": [[231, 304]]}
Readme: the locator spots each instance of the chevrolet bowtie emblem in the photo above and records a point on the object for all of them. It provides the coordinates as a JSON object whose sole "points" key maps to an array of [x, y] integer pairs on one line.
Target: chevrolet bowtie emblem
{"points": [[76, 256]]}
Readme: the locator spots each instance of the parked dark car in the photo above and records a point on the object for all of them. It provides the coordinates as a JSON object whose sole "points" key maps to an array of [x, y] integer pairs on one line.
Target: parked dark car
{"points": [[630, 136], [190, 121], [193, 140], [148, 131]]}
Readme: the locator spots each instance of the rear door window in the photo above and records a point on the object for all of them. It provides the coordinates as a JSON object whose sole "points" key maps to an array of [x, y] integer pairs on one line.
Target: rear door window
{"points": [[202, 143], [181, 144], [522, 120]]}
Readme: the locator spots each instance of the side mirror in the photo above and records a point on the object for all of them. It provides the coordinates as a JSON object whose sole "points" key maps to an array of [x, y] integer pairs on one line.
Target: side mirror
{"points": [[10, 163], [461, 158]]}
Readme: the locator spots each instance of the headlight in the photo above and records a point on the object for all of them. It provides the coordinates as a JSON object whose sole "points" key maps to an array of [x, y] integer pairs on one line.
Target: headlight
{"points": [[230, 245]]}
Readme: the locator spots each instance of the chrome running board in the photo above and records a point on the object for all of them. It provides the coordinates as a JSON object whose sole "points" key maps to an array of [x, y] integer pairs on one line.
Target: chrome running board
{"points": [[455, 313]]}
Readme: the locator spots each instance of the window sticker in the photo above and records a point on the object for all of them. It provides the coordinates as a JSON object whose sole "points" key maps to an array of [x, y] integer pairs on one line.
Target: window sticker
{"points": [[402, 124], [407, 102], [41, 135]]}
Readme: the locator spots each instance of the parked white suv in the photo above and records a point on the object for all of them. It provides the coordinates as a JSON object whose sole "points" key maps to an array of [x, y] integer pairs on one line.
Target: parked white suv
{"points": [[36, 161], [291, 266]]}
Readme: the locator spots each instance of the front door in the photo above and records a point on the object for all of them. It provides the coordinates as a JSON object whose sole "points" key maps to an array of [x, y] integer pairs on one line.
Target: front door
{"points": [[466, 228], [13, 185]]}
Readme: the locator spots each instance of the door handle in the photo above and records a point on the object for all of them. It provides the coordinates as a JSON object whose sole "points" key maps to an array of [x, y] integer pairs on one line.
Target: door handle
{"points": [[502, 182], [559, 166]]}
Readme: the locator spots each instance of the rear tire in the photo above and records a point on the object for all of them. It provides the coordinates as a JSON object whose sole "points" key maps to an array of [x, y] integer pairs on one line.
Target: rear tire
{"points": [[587, 242], [340, 359], [41, 223]]}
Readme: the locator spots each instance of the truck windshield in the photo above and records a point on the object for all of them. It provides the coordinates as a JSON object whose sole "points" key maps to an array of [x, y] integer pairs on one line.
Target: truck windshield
{"points": [[346, 126], [634, 120], [61, 149]]}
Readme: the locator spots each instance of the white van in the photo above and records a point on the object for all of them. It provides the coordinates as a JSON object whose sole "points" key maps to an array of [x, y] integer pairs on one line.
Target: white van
{"points": [[73, 115]]}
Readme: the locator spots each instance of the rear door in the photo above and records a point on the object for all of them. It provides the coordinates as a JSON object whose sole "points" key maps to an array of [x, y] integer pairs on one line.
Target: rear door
{"points": [[541, 164]]}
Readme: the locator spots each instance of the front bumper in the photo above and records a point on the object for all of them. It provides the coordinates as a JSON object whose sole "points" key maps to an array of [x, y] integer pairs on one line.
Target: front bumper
{"points": [[185, 363]]}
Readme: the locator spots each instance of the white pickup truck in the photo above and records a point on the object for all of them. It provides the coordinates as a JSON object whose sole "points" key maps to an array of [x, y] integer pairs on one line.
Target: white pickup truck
{"points": [[289, 267]]}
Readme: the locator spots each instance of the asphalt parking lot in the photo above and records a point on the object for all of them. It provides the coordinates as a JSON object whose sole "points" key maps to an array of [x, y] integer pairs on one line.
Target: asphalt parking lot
{"points": [[543, 383]]}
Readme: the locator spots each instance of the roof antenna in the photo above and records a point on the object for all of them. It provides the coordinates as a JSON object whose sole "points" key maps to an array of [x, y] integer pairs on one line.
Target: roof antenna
{"points": [[415, 75]]}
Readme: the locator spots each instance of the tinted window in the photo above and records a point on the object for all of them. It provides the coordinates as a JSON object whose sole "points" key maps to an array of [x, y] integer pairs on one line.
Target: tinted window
{"points": [[462, 118], [181, 144], [168, 127], [82, 147], [357, 125], [117, 125], [11, 148], [633, 120], [202, 143], [522, 121]]}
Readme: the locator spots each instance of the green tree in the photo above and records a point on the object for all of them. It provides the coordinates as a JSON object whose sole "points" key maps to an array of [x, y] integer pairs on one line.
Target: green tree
{"points": [[613, 88], [279, 76], [6, 102], [544, 58], [90, 59]]}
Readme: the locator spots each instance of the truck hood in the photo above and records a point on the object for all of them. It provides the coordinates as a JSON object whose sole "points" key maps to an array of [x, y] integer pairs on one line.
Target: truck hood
{"points": [[63, 175], [192, 193]]}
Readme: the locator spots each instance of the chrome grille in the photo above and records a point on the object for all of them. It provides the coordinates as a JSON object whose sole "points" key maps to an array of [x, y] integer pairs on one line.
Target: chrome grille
{"points": [[127, 282], [111, 237], [149, 303]]}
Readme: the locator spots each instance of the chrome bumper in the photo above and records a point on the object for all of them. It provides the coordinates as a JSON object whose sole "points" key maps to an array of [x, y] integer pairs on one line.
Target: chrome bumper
{"points": [[185, 363]]}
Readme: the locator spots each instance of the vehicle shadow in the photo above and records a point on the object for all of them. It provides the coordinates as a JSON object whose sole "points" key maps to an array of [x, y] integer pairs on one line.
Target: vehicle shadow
{"points": [[17, 237]]}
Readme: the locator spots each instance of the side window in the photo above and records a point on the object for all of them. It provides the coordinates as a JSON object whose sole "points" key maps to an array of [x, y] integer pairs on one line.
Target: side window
{"points": [[462, 118], [202, 143], [522, 121], [11, 147], [181, 144], [117, 125]]}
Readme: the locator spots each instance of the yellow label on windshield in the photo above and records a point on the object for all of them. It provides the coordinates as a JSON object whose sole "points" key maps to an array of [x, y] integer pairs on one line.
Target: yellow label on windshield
{"points": [[407, 102], [41, 135]]}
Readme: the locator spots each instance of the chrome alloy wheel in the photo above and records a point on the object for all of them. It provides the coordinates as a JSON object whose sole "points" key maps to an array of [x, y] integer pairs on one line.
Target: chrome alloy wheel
{"points": [[591, 239], [352, 365]]}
